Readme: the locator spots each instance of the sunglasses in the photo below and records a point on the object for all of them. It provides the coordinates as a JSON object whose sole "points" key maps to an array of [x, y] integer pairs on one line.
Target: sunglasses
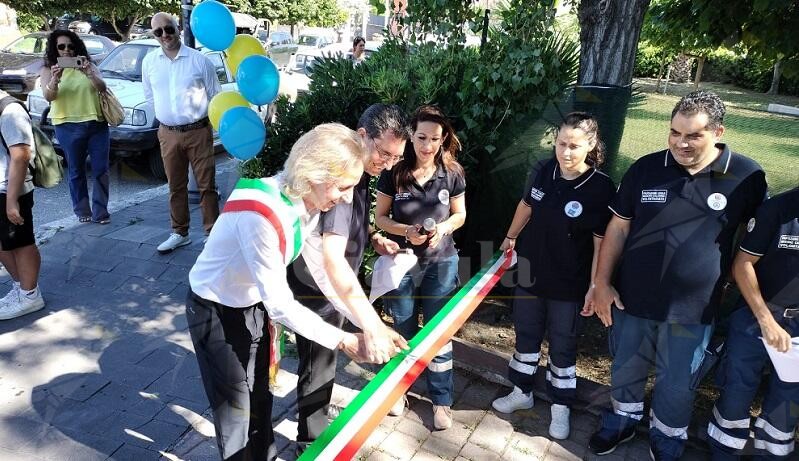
{"points": [[65, 46], [169, 30]]}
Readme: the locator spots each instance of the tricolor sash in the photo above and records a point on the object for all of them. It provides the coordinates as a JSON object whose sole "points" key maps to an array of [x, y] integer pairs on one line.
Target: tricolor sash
{"points": [[263, 196]]}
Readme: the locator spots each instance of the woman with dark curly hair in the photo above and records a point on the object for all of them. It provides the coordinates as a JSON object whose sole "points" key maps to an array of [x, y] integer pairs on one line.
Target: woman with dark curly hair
{"points": [[420, 203], [74, 95]]}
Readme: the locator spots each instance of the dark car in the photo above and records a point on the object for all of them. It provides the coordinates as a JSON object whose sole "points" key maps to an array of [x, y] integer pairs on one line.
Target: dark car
{"points": [[95, 25], [22, 59]]}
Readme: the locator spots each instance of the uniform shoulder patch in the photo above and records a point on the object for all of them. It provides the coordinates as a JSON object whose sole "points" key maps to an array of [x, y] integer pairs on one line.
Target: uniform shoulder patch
{"points": [[750, 226]]}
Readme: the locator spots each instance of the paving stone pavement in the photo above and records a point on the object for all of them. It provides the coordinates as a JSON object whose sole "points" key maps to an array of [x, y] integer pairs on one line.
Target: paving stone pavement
{"points": [[107, 370]]}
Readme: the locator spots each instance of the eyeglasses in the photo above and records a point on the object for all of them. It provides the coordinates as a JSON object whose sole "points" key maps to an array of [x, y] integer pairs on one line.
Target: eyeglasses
{"points": [[386, 156], [169, 30], [65, 46]]}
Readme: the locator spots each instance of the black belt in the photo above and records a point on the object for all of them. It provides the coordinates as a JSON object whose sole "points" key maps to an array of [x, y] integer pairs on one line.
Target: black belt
{"points": [[202, 123]]}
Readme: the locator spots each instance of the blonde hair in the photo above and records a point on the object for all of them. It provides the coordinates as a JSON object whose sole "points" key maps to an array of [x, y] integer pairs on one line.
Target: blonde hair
{"points": [[322, 155]]}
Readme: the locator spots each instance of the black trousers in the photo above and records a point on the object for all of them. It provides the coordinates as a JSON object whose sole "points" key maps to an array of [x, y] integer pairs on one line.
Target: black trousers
{"points": [[317, 372], [232, 348]]}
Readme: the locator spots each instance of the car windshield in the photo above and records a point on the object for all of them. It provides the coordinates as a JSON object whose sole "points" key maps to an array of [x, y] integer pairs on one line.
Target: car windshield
{"points": [[308, 40], [30, 44], [125, 61]]}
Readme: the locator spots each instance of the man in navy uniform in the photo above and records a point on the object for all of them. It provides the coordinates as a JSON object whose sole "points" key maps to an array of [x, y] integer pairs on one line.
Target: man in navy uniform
{"points": [[676, 214], [766, 270]]}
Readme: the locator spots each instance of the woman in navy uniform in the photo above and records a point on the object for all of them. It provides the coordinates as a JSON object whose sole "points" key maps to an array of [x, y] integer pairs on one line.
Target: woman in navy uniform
{"points": [[766, 270], [420, 202], [563, 215]]}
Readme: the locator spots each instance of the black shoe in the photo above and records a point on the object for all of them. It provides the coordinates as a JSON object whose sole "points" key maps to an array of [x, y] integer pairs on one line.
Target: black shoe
{"points": [[605, 441]]}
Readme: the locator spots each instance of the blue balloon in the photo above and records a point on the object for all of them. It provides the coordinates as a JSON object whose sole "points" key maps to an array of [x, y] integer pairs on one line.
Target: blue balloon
{"points": [[242, 132], [258, 79], [212, 24]]}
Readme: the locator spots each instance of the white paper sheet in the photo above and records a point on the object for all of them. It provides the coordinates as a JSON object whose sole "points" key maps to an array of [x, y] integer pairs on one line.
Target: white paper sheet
{"points": [[785, 363], [388, 273]]}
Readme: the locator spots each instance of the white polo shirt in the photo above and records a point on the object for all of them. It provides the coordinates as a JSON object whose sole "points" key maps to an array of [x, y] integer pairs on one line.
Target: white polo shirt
{"points": [[179, 89]]}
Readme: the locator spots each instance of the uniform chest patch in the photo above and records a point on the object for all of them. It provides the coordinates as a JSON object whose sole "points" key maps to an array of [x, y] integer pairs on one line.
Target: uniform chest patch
{"points": [[402, 196], [788, 242], [750, 226], [536, 194], [717, 201], [654, 196], [443, 196], [573, 209]]}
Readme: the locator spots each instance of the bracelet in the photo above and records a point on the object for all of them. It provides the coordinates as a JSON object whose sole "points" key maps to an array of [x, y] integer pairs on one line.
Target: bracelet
{"points": [[407, 229], [373, 233], [510, 238]]}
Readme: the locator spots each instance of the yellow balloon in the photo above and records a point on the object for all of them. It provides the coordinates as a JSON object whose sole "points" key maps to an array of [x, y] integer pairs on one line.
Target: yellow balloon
{"points": [[221, 103], [243, 47]]}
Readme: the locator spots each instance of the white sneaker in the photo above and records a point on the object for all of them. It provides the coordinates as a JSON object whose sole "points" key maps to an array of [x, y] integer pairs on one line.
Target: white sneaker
{"points": [[12, 296], [559, 427], [23, 305], [516, 400], [399, 407], [174, 241]]}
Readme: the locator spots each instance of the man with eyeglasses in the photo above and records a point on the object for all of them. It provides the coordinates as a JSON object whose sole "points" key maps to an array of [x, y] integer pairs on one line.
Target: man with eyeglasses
{"points": [[326, 277], [180, 82]]}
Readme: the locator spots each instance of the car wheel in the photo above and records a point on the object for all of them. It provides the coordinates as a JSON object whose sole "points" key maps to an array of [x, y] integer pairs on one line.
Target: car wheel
{"points": [[156, 164]]}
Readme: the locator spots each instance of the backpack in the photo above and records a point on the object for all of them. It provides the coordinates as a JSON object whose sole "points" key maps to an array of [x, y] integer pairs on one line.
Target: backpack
{"points": [[45, 167]]}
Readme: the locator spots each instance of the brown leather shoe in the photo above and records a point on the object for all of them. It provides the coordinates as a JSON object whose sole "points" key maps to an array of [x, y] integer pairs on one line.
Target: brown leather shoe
{"points": [[442, 417]]}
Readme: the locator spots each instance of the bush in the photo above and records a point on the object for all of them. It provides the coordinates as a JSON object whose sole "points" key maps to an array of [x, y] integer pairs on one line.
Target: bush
{"points": [[648, 60], [491, 95], [746, 71]]}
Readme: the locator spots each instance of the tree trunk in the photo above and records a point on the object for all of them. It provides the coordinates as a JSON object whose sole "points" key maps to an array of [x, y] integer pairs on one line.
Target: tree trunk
{"points": [[775, 78], [700, 64], [609, 31]]}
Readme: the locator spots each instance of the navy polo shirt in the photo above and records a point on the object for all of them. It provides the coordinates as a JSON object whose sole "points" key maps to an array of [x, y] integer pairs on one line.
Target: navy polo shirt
{"points": [[350, 220], [774, 236], [558, 240], [680, 244], [430, 200]]}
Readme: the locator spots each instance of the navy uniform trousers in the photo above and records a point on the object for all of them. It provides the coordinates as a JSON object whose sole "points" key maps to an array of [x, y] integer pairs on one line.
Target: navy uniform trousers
{"points": [[739, 376]]}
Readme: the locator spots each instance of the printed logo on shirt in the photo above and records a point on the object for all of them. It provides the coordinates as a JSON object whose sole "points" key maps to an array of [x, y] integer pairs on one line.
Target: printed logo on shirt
{"points": [[654, 196], [573, 209], [443, 196], [750, 226], [789, 242], [536, 194], [717, 201], [402, 196]]}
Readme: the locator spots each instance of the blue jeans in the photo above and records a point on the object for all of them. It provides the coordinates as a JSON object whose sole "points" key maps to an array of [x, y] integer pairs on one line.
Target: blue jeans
{"points": [[676, 351], [740, 374], [427, 285], [79, 140]]}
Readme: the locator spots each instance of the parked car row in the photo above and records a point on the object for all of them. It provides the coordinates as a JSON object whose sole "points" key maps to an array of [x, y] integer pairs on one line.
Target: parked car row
{"points": [[137, 135]]}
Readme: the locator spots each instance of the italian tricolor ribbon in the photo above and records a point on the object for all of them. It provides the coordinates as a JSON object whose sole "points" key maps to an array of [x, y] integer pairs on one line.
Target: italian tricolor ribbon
{"points": [[345, 436], [263, 196]]}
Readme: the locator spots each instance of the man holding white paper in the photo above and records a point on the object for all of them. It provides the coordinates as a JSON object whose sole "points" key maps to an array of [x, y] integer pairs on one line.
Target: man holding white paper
{"points": [[766, 269]]}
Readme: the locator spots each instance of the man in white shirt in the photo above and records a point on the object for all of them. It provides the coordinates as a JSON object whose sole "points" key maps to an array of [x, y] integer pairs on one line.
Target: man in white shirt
{"points": [[180, 82]]}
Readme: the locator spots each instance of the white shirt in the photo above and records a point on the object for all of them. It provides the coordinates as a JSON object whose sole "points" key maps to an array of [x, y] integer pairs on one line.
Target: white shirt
{"points": [[179, 89], [241, 265]]}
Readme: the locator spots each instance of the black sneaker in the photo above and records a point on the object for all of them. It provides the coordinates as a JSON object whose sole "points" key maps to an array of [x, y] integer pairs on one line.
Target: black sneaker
{"points": [[605, 441]]}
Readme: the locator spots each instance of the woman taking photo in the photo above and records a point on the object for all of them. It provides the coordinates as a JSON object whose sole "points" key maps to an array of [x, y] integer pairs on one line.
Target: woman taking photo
{"points": [[420, 202], [563, 214], [74, 98], [238, 284]]}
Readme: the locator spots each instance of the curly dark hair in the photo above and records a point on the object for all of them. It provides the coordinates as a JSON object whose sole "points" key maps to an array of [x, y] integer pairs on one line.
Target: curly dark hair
{"points": [[588, 124], [51, 49], [702, 101]]}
